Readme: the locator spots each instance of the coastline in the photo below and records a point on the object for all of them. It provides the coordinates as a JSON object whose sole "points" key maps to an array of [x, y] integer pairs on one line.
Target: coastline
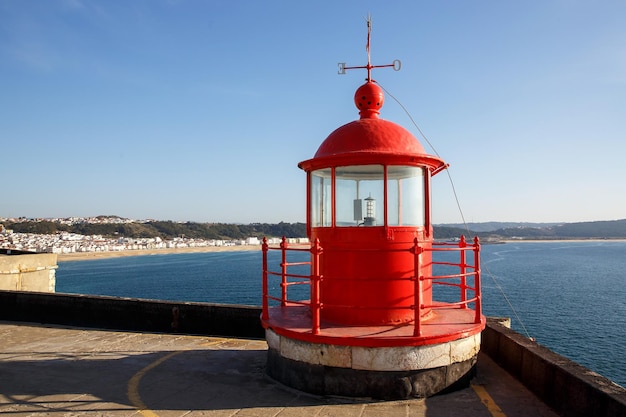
{"points": [[592, 239], [86, 256]]}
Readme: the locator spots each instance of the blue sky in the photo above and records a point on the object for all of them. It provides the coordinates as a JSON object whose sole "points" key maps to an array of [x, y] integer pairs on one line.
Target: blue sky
{"points": [[201, 110]]}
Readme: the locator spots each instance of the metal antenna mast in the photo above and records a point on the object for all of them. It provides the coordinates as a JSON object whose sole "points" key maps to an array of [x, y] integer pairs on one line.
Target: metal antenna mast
{"points": [[396, 65]]}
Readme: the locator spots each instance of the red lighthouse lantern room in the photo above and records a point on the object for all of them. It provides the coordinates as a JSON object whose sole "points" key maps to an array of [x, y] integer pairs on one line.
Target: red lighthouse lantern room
{"points": [[374, 324], [368, 197]]}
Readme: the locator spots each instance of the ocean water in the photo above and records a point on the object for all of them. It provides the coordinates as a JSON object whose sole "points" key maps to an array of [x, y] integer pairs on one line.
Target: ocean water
{"points": [[569, 296]]}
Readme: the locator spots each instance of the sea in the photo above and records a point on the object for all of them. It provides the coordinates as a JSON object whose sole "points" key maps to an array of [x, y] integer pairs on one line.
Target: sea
{"points": [[568, 296]]}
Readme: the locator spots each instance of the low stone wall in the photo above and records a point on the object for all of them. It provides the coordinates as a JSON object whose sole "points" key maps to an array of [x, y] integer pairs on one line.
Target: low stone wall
{"points": [[569, 388], [132, 314], [23, 271]]}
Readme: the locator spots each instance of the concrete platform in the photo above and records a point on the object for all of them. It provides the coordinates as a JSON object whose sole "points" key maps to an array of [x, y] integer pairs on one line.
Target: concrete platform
{"points": [[66, 371], [443, 325]]}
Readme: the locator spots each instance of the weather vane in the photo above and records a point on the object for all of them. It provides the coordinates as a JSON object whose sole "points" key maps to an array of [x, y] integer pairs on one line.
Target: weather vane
{"points": [[396, 65]]}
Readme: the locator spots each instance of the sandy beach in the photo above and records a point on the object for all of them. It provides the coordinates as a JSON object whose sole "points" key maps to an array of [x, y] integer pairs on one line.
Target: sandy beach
{"points": [[85, 256]]}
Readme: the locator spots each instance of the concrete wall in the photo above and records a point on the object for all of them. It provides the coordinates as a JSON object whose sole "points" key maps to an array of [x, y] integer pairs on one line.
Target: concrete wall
{"points": [[569, 388], [28, 272], [132, 314]]}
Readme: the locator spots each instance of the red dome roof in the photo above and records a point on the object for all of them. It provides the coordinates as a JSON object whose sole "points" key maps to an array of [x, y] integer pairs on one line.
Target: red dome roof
{"points": [[370, 135], [371, 140]]}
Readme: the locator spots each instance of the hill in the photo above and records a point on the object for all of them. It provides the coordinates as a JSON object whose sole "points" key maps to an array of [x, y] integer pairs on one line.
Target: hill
{"points": [[162, 229], [493, 226], [615, 229], [612, 229]]}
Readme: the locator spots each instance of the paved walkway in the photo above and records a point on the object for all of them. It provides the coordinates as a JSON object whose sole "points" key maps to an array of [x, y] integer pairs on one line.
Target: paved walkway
{"points": [[61, 371]]}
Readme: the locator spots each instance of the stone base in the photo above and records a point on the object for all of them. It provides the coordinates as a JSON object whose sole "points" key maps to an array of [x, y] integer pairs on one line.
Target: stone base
{"points": [[382, 385], [387, 373]]}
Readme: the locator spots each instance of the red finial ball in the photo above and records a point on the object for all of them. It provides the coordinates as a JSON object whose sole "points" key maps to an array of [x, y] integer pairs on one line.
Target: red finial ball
{"points": [[369, 98]]}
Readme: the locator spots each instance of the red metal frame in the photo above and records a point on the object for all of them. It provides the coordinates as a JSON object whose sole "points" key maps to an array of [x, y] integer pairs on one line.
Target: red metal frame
{"points": [[427, 203], [314, 278]]}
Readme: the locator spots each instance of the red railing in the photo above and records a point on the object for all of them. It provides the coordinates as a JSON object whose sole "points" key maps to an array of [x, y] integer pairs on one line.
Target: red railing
{"points": [[313, 279], [465, 270]]}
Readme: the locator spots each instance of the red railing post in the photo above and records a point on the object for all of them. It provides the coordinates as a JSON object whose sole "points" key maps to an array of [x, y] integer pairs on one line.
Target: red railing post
{"points": [[265, 314], [462, 246], [283, 266], [478, 292], [417, 291], [316, 250]]}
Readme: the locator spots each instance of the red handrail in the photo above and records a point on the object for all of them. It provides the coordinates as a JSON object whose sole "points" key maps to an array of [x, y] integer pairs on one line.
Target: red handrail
{"points": [[417, 291], [477, 289], [316, 251], [462, 274], [285, 275], [314, 278], [265, 313], [462, 247]]}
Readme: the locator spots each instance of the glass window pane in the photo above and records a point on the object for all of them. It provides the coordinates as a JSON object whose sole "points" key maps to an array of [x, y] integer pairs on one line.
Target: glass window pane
{"points": [[405, 200], [359, 195], [321, 215]]}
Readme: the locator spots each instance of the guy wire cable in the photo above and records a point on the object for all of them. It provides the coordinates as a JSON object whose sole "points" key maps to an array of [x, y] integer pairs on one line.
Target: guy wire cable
{"points": [[456, 199]]}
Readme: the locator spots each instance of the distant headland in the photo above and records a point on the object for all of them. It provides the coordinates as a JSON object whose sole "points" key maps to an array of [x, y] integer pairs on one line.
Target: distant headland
{"points": [[611, 229]]}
